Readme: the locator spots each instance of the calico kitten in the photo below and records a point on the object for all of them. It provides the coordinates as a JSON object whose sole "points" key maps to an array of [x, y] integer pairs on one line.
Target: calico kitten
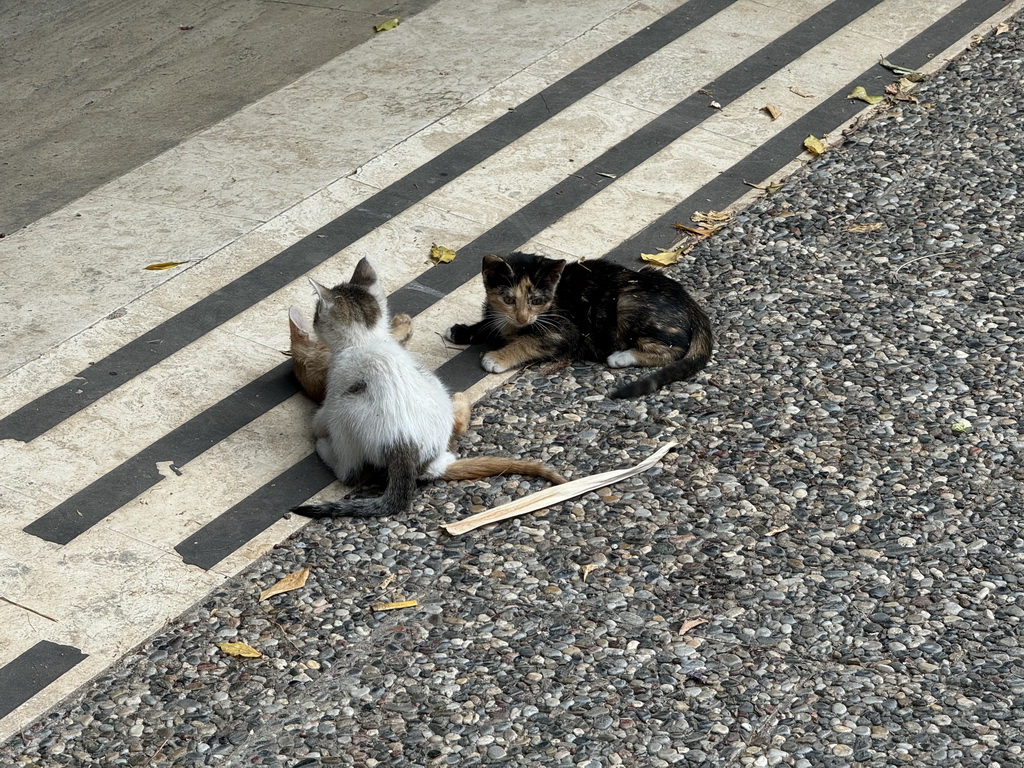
{"points": [[382, 409], [543, 309]]}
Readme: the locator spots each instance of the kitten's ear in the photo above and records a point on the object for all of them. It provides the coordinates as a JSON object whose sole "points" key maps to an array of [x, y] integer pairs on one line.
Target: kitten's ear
{"points": [[495, 268], [323, 293], [364, 275], [555, 267]]}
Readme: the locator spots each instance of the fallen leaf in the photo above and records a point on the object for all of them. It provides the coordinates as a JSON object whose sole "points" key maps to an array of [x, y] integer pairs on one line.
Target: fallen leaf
{"points": [[394, 606], [860, 93], [774, 187], [801, 92], [701, 232], [663, 259], [715, 105], [292, 581], [899, 91], [690, 624], [772, 111], [814, 145], [165, 265], [441, 255], [961, 426], [588, 569], [608, 175], [388, 581], [864, 227], [778, 529], [386, 25], [911, 74], [240, 649], [1002, 29], [555, 495], [718, 218]]}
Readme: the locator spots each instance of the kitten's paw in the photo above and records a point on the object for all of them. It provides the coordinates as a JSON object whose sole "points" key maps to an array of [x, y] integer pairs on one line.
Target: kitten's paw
{"points": [[459, 334], [621, 359], [491, 365], [401, 328]]}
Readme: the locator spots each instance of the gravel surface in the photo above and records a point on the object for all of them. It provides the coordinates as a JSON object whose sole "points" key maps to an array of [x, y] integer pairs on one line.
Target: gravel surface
{"points": [[827, 572]]}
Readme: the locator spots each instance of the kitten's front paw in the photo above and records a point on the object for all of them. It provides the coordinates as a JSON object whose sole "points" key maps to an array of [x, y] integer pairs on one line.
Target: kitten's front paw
{"points": [[459, 334], [491, 365], [621, 359], [401, 328]]}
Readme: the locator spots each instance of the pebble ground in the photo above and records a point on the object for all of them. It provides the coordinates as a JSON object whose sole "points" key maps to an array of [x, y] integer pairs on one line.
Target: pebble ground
{"points": [[828, 571]]}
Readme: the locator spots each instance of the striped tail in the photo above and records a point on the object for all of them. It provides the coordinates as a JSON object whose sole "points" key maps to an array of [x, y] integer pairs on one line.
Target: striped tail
{"points": [[489, 466], [696, 357], [402, 462]]}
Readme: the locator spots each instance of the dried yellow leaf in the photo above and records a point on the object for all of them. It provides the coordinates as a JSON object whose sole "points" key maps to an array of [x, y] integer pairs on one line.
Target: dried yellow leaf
{"points": [[663, 259], [394, 606], [608, 175], [1002, 28], [864, 227], [690, 624], [243, 650], [554, 495], [774, 187], [860, 93], [386, 25], [911, 74], [165, 265], [287, 584], [588, 569], [772, 111], [701, 232], [441, 255], [801, 92], [814, 145], [711, 217]]}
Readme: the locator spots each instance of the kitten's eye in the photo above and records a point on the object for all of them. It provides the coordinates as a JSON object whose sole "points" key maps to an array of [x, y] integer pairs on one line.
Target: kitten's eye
{"points": [[537, 301], [509, 299]]}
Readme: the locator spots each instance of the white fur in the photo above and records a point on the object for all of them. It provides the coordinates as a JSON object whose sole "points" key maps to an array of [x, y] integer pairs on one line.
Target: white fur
{"points": [[402, 402], [621, 359], [491, 365]]}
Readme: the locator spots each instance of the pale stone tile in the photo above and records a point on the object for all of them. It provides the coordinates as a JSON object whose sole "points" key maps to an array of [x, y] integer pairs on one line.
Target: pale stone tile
{"points": [[92, 255], [59, 364], [636, 199], [679, 69], [514, 176], [257, 246], [392, 165], [219, 478]]}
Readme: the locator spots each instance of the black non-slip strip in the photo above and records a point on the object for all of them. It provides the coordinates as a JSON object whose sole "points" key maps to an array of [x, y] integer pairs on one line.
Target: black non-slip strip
{"points": [[254, 514], [27, 675], [97, 380], [116, 488], [574, 190], [137, 474], [113, 490], [463, 370]]}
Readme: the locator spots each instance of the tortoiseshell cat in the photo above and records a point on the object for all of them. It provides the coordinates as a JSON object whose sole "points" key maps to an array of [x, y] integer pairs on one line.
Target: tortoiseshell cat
{"points": [[548, 309]]}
